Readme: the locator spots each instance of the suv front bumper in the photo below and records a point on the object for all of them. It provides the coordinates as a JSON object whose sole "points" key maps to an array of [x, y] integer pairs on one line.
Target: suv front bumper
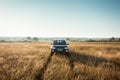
{"points": [[60, 50]]}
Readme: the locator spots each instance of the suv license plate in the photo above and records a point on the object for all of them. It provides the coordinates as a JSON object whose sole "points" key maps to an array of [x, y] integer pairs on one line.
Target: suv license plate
{"points": [[59, 49]]}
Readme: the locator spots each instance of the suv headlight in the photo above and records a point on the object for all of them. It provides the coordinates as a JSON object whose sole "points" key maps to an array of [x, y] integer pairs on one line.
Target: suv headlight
{"points": [[66, 47], [53, 47]]}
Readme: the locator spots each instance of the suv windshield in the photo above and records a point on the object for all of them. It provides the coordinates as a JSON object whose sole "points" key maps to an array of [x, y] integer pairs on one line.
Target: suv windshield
{"points": [[59, 42]]}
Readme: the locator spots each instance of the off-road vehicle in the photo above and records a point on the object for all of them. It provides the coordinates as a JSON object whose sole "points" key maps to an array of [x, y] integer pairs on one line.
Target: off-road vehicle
{"points": [[59, 46]]}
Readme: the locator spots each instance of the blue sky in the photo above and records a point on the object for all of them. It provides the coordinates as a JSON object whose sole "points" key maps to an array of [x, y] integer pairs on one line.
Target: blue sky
{"points": [[60, 18]]}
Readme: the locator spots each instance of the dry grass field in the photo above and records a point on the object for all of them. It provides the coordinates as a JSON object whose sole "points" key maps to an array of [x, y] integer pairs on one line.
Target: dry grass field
{"points": [[86, 61]]}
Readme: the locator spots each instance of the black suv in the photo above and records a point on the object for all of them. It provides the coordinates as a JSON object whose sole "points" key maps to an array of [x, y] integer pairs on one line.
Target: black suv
{"points": [[59, 46]]}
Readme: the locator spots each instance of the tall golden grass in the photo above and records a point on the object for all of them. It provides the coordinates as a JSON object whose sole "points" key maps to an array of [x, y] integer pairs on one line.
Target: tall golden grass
{"points": [[86, 61]]}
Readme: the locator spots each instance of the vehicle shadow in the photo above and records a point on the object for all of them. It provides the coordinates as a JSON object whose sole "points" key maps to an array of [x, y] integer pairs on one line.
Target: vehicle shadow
{"points": [[83, 59], [40, 75], [87, 59]]}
